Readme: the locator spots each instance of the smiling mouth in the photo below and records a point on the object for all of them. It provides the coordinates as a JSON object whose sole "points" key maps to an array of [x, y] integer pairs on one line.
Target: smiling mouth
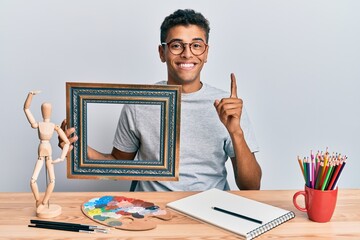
{"points": [[186, 66]]}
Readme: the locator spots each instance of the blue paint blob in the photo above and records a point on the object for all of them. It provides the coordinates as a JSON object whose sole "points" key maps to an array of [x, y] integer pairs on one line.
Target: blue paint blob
{"points": [[115, 223], [100, 218], [152, 208], [137, 215]]}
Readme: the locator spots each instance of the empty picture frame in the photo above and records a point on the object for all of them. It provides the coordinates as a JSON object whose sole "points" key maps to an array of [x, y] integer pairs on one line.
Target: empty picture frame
{"points": [[166, 98]]}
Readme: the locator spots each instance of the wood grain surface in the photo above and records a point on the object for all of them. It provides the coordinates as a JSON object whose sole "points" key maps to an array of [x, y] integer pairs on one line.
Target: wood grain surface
{"points": [[18, 208]]}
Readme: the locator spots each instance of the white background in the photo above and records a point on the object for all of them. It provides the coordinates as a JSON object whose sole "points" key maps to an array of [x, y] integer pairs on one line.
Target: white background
{"points": [[296, 62]]}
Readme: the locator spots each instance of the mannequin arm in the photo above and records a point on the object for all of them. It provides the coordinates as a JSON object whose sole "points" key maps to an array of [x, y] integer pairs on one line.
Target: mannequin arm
{"points": [[27, 111], [66, 146]]}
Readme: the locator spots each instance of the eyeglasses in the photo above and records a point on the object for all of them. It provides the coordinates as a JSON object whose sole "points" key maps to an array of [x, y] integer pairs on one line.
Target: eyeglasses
{"points": [[177, 47]]}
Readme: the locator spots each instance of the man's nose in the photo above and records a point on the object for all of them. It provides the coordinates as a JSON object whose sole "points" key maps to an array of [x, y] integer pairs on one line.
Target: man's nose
{"points": [[187, 51]]}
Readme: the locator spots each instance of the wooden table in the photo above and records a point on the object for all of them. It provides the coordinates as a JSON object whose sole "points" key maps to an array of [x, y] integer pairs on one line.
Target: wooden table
{"points": [[18, 208]]}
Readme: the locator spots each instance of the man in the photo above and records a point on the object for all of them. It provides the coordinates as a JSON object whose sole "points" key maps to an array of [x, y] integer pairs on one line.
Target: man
{"points": [[205, 142]]}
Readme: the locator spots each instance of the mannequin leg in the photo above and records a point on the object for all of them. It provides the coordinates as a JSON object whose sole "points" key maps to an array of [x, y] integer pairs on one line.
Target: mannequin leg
{"points": [[51, 185], [46, 210], [33, 184]]}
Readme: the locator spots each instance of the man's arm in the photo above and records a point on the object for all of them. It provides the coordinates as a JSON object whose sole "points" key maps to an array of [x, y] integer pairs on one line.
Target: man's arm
{"points": [[115, 154], [246, 169]]}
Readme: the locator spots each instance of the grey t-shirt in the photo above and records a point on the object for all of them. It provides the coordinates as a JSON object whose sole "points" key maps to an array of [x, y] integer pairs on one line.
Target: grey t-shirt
{"points": [[205, 144]]}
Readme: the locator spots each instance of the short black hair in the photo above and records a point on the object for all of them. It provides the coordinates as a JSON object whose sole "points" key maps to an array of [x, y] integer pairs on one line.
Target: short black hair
{"points": [[184, 17]]}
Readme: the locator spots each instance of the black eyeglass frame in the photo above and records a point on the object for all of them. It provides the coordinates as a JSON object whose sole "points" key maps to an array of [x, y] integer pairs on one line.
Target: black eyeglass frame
{"points": [[183, 44]]}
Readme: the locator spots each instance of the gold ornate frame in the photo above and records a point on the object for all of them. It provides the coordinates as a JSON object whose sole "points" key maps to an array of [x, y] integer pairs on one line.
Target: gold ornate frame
{"points": [[168, 97]]}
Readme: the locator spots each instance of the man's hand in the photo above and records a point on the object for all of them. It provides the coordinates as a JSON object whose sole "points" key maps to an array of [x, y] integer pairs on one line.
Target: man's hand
{"points": [[230, 109], [68, 133]]}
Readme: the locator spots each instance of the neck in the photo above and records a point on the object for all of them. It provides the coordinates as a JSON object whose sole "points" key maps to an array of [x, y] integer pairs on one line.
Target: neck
{"points": [[189, 87]]}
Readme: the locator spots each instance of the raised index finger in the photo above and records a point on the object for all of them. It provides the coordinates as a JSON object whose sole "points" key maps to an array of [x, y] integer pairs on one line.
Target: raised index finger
{"points": [[233, 93]]}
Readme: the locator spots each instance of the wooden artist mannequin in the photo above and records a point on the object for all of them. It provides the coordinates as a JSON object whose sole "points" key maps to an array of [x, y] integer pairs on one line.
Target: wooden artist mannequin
{"points": [[45, 132]]}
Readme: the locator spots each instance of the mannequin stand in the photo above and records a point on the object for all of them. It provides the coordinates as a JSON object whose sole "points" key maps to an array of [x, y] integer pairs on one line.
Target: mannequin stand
{"points": [[45, 211]]}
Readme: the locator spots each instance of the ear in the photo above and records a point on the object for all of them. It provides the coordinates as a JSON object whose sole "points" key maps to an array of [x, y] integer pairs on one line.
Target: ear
{"points": [[206, 54], [161, 53]]}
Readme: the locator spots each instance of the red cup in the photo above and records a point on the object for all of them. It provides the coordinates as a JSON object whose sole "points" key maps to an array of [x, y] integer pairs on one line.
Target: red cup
{"points": [[319, 205]]}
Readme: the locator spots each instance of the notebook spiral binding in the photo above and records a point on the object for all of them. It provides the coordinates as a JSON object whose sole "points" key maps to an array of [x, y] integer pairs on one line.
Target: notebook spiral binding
{"points": [[266, 227]]}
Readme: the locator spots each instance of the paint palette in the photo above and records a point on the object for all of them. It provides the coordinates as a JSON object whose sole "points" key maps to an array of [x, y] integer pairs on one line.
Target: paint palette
{"points": [[124, 213]]}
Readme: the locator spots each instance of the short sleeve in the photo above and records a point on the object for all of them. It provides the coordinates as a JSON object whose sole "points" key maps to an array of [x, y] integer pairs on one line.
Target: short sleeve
{"points": [[126, 138]]}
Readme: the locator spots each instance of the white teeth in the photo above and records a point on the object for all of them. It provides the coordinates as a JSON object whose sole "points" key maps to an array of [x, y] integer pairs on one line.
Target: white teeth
{"points": [[186, 65]]}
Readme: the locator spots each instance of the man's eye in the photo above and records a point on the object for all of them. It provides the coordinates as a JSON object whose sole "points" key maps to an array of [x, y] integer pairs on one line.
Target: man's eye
{"points": [[176, 46], [197, 45]]}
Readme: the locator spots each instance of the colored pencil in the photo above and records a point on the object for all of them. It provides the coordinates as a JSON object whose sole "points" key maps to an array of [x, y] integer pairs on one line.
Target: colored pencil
{"points": [[305, 172], [337, 177], [308, 171], [328, 174], [318, 178], [326, 158], [322, 171], [334, 176], [301, 167]]}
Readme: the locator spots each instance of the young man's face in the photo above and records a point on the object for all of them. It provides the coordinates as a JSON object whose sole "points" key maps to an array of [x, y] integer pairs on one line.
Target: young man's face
{"points": [[185, 68]]}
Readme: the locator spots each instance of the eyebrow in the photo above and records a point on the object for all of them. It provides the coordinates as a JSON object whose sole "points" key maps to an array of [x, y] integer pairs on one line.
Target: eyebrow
{"points": [[180, 40]]}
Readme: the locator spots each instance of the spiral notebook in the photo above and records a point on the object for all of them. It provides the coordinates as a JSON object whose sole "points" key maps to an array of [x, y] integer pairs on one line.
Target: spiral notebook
{"points": [[245, 217]]}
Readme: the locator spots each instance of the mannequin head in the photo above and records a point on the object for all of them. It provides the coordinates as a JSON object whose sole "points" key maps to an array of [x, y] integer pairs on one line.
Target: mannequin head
{"points": [[46, 110]]}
